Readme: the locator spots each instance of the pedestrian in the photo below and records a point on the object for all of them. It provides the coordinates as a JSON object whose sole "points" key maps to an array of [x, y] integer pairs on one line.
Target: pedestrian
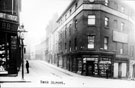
{"points": [[27, 66], [107, 73]]}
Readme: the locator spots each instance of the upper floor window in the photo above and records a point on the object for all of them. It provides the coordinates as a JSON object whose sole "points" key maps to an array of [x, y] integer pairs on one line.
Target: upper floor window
{"points": [[75, 43], [91, 0], [122, 26], [121, 51], [76, 21], [69, 29], [69, 45], [91, 19], [106, 2], [105, 43], [91, 40], [3, 25], [70, 11], [106, 22], [65, 31], [132, 50], [65, 16], [115, 23], [122, 9], [76, 5]]}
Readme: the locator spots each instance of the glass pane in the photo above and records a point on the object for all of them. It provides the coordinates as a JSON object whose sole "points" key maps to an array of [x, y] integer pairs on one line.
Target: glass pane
{"points": [[91, 19]]}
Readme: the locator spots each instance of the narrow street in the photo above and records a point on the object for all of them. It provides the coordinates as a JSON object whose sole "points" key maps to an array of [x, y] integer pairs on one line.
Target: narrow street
{"points": [[43, 74]]}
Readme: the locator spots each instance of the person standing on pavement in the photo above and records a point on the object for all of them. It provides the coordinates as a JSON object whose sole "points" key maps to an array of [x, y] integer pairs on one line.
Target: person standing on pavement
{"points": [[27, 66]]}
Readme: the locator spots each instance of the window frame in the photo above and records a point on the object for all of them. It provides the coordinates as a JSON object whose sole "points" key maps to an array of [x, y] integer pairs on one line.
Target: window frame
{"points": [[106, 2], [106, 43], [91, 41], [115, 23], [75, 43], [122, 26], [122, 9], [106, 22], [91, 17]]}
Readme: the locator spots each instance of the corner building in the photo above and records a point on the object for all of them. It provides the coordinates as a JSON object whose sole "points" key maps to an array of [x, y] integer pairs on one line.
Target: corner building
{"points": [[96, 37]]}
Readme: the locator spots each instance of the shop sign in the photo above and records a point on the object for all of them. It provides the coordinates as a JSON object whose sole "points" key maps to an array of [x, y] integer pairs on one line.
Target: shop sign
{"points": [[8, 17], [105, 62], [11, 17], [90, 59], [13, 42], [2, 15]]}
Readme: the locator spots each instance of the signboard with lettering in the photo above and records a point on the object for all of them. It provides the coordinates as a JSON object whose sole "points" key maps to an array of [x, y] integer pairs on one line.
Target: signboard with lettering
{"points": [[13, 42], [8, 17], [120, 37]]}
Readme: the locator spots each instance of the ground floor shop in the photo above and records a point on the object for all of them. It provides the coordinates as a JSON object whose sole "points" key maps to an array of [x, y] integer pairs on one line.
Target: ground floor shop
{"points": [[100, 65], [10, 59]]}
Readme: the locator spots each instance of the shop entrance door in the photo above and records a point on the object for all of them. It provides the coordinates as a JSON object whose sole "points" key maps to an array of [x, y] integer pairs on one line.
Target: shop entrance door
{"points": [[90, 68]]}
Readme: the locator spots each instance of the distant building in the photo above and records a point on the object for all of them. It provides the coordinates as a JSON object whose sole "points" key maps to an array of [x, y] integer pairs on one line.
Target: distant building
{"points": [[10, 58], [46, 49], [96, 35]]}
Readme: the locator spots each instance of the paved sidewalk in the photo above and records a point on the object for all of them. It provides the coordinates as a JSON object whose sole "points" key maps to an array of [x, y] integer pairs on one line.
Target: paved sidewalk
{"points": [[13, 78]]}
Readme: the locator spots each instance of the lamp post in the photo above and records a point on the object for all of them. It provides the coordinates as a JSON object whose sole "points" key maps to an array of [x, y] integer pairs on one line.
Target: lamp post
{"points": [[21, 38]]}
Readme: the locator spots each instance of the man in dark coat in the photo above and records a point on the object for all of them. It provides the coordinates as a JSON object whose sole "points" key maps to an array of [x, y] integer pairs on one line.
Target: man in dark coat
{"points": [[27, 66]]}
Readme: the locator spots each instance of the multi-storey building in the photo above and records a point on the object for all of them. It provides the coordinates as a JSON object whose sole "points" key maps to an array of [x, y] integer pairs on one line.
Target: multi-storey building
{"points": [[9, 43], [96, 37]]}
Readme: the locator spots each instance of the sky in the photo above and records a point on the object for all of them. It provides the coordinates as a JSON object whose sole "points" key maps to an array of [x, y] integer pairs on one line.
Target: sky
{"points": [[36, 14]]}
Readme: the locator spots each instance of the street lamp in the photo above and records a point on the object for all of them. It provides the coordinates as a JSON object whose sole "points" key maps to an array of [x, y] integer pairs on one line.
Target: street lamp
{"points": [[21, 38]]}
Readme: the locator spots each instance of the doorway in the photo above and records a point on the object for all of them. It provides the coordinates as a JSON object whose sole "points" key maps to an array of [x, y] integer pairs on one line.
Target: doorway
{"points": [[90, 68]]}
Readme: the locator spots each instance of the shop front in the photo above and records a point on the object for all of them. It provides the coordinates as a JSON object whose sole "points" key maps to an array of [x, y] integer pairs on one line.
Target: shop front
{"points": [[99, 65], [121, 67]]}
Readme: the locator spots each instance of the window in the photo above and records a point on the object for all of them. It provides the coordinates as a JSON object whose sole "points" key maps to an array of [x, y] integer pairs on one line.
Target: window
{"points": [[65, 16], [132, 50], [115, 23], [75, 24], [105, 43], [65, 45], [69, 45], [91, 19], [121, 51], [76, 5], [70, 29], [106, 2], [106, 22], [91, 0], [75, 43], [65, 31], [8, 26], [3, 25], [122, 9], [91, 39], [70, 12], [122, 26]]}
